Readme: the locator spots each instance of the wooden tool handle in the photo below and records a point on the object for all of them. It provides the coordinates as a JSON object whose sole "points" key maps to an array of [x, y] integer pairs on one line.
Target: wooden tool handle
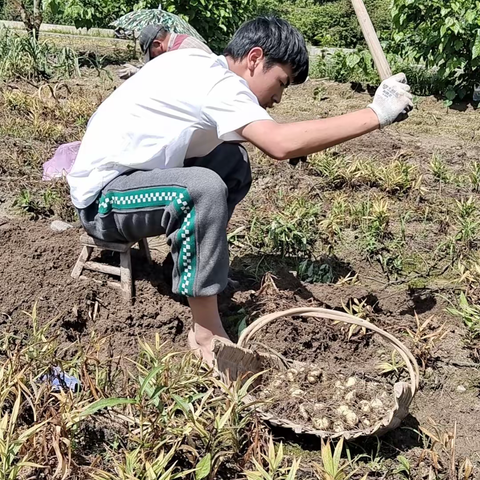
{"points": [[371, 38]]}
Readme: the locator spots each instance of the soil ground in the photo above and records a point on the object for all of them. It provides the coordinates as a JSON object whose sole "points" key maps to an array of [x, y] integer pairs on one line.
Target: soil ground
{"points": [[36, 263]]}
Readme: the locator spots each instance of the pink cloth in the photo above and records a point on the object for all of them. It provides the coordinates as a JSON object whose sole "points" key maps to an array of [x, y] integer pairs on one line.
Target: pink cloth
{"points": [[179, 39], [62, 161], [185, 41]]}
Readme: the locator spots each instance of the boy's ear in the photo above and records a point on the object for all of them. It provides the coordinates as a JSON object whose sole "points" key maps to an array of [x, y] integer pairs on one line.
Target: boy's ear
{"points": [[254, 58]]}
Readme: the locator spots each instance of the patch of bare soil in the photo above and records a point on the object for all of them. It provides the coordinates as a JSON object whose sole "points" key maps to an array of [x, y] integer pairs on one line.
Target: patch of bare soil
{"points": [[35, 267]]}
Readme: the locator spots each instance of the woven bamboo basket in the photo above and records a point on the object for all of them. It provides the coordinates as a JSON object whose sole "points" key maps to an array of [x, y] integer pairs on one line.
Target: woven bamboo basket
{"points": [[240, 361]]}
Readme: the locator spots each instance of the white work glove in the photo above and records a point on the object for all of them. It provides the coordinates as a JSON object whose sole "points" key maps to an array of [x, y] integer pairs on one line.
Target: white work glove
{"points": [[392, 100], [127, 71]]}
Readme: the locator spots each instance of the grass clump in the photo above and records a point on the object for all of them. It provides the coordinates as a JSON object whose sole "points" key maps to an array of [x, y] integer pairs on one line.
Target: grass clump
{"points": [[470, 314], [337, 171], [291, 229], [22, 56]]}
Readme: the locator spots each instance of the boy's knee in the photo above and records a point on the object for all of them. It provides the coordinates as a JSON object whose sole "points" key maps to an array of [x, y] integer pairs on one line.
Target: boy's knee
{"points": [[208, 185]]}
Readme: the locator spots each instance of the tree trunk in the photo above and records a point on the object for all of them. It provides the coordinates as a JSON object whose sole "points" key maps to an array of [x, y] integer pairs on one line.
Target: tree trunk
{"points": [[37, 18], [32, 21]]}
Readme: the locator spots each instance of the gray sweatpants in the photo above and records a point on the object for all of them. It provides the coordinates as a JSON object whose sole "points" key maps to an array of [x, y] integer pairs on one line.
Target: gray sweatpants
{"points": [[190, 205]]}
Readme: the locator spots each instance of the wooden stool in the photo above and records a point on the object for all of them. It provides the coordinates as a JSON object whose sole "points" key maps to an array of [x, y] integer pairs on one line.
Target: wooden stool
{"points": [[125, 269]]}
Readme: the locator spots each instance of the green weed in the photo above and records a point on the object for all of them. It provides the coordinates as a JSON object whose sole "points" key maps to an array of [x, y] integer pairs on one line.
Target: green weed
{"points": [[469, 313], [333, 467], [393, 366], [25, 57], [314, 272], [474, 176], [397, 177], [271, 466], [291, 230], [439, 169]]}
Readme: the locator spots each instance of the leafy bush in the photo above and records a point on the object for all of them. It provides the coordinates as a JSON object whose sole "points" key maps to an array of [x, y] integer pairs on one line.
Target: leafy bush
{"points": [[329, 23], [357, 66], [26, 57], [442, 34], [90, 13]]}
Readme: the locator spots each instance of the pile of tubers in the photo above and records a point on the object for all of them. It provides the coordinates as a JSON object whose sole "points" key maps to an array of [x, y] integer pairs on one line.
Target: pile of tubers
{"points": [[351, 403]]}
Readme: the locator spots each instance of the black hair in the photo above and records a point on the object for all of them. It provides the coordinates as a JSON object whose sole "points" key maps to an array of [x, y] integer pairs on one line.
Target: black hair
{"points": [[281, 44]]}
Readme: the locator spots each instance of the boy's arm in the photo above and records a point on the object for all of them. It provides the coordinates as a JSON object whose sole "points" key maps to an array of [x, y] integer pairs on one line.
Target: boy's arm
{"points": [[391, 103], [291, 140]]}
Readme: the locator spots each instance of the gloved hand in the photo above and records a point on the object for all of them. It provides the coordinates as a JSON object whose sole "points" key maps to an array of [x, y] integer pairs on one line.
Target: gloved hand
{"points": [[392, 100], [127, 71]]}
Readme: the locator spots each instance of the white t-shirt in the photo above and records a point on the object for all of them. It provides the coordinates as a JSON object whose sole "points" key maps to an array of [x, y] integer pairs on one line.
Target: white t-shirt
{"points": [[181, 104]]}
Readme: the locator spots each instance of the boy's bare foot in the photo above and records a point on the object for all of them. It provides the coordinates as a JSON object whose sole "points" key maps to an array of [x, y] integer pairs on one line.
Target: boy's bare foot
{"points": [[201, 344], [206, 325]]}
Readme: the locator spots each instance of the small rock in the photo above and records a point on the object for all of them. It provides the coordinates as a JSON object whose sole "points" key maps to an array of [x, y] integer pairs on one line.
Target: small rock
{"points": [[292, 374], [461, 389], [351, 382], [350, 396], [366, 422], [351, 419], [338, 427], [365, 406], [428, 372], [303, 412], [59, 226], [343, 410]]}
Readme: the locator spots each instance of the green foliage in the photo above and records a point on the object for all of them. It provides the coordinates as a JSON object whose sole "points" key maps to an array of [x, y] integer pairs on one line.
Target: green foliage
{"points": [[24, 57], [291, 230], [357, 66], [215, 20], [469, 313], [329, 23], [90, 13], [274, 466], [337, 171], [168, 416], [315, 272], [444, 35]]}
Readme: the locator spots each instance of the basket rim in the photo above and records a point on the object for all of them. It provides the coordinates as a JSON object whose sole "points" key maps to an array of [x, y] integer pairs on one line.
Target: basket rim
{"points": [[324, 313]]}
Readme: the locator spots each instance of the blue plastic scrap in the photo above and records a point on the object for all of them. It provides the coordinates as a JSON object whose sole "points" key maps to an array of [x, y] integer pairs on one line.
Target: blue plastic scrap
{"points": [[61, 380]]}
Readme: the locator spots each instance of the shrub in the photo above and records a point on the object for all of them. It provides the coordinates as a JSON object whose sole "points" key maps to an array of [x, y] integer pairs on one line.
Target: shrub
{"points": [[215, 20], [329, 23], [444, 35], [357, 66]]}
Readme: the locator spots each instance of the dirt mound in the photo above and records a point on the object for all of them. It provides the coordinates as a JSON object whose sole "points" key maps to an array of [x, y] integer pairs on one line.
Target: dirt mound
{"points": [[35, 266]]}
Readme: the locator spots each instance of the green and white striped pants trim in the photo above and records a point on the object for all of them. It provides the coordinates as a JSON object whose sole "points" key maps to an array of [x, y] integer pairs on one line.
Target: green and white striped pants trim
{"points": [[163, 197]]}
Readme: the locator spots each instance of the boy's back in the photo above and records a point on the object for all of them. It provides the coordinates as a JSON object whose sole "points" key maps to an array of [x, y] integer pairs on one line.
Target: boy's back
{"points": [[180, 105]]}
